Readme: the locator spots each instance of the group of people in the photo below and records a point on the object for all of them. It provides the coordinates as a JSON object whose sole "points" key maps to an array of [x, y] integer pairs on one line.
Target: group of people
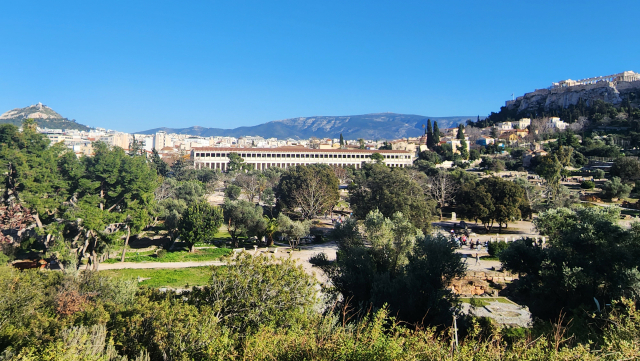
{"points": [[462, 241]]}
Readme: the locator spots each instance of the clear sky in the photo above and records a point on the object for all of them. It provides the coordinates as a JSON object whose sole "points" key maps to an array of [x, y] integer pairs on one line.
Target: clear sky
{"points": [[135, 65]]}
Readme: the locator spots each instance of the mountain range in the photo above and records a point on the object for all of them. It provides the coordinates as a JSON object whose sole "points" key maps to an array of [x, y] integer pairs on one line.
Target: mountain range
{"points": [[44, 116], [378, 126]]}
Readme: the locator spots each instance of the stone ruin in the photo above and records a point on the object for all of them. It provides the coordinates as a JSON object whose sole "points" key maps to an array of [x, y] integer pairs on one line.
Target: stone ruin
{"points": [[478, 283]]}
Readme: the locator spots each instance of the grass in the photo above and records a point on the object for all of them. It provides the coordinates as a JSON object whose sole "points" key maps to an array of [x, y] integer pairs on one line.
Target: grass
{"points": [[489, 258], [206, 254], [484, 301], [175, 278]]}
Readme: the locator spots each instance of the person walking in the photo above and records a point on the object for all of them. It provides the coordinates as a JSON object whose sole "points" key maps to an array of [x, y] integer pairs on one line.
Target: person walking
{"points": [[477, 258]]}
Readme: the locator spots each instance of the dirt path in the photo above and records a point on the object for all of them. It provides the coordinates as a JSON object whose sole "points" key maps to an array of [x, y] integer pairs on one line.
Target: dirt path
{"points": [[301, 257]]}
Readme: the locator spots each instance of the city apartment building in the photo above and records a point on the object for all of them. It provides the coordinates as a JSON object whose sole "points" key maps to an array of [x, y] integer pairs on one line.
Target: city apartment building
{"points": [[284, 157]]}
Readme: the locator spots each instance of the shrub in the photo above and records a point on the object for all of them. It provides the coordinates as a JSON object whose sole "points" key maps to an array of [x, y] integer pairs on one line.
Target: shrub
{"points": [[495, 248], [587, 184], [615, 189], [319, 259], [161, 253]]}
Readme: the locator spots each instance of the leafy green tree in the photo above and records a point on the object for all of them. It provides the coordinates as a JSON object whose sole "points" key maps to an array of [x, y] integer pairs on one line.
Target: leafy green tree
{"points": [[255, 291], [550, 169], [377, 157], [232, 192], [368, 275], [243, 219], [492, 200], [474, 154], [161, 166], [390, 190], [236, 163], [614, 188], [361, 142], [588, 256], [626, 168], [464, 149], [199, 223], [292, 230], [492, 164], [311, 189]]}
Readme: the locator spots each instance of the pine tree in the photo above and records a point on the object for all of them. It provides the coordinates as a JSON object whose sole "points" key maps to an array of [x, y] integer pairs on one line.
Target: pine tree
{"points": [[436, 134], [429, 133], [460, 131], [341, 141]]}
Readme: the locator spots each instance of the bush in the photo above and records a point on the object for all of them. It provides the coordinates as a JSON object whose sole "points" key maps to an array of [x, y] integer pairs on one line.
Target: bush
{"points": [[615, 189], [161, 253], [587, 184], [495, 248], [319, 259]]}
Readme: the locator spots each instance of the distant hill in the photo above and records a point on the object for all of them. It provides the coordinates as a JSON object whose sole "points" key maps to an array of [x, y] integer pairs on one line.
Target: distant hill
{"points": [[43, 115], [379, 126]]}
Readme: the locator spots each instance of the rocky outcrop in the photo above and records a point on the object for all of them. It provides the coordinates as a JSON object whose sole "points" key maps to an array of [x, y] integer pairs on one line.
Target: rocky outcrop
{"points": [[554, 98]]}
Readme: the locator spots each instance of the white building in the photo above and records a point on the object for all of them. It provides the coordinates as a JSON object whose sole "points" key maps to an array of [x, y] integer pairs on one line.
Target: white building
{"points": [[556, 123], [523, 123], [284, 157]]}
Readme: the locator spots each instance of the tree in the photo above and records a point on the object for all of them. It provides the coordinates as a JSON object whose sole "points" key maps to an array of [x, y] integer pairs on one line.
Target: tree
{"points": [[312, 189], [406, 271], [492, 200], [442, 188], [588, 256], [550, 169], [474, 154], [292, 230], [627, 168], [460, 134], [243, 219], [464, 149], [254, 291], [436, 134], [236, 163], [494, 133], [161, 166], [430, 142], [232, 192], [199, 223], [253, 184], [361, 141], [390, 190], [377, 157], [614, 188], [341, 141]]}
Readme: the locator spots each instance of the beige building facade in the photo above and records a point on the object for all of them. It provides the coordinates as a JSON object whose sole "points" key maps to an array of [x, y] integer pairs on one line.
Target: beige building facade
{"points": [[284, 157]]}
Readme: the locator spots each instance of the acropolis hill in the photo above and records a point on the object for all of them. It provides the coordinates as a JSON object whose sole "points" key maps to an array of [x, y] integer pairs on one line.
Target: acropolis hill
{"points": [[610, 88]]}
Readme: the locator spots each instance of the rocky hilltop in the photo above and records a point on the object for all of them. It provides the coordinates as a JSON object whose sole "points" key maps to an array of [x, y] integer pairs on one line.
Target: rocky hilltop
{"points": [[561, 96], [368, 126], [44, 116]]}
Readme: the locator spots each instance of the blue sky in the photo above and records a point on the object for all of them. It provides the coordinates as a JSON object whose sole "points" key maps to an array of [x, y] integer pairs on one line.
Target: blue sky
{"points": [[136, 65]]}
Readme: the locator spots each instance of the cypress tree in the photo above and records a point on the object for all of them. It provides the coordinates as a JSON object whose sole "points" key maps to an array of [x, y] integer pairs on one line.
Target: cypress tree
{"points": [[341, 141], [460, 131], [429, 133], [436, 133]]}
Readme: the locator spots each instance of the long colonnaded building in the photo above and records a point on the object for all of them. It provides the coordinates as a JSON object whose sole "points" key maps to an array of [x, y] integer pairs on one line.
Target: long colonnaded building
{"points": [[284, 157]]}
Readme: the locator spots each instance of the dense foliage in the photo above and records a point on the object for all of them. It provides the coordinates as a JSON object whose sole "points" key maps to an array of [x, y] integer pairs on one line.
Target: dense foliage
{"points": [[390, 190], [588, 256]]}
